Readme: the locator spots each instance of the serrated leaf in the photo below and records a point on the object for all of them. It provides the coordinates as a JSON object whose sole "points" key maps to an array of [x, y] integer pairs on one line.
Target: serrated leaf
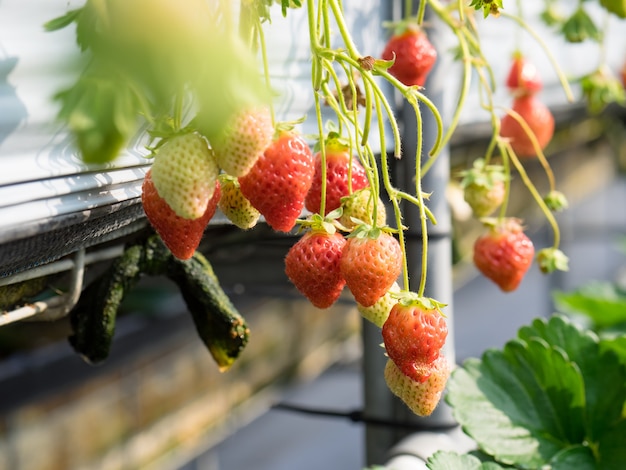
{"points": [[543, 396], [442, 460], [492, 407], [604, 377], [602, 302]]}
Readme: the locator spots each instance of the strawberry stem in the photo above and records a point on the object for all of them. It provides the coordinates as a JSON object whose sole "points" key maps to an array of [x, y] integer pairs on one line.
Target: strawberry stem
{"points": [[557, 68], [535, 194]]}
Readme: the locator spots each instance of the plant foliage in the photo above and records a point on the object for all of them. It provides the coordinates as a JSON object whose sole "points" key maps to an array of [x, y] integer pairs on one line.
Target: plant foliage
{"points": [[554, 396]]}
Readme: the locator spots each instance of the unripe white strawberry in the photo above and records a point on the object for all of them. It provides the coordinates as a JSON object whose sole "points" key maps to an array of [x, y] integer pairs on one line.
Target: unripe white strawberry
{"points": [[379, 312], [184, 173], [360, 206], [243, 141], [421, 397], [234, 204]]}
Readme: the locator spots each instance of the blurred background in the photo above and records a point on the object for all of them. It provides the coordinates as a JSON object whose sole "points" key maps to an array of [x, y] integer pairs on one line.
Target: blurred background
{"points": [[159, 401]]}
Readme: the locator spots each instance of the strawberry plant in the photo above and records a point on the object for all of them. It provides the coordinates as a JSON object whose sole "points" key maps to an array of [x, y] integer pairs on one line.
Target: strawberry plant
{"points": [[197, 76], [552, 397]]}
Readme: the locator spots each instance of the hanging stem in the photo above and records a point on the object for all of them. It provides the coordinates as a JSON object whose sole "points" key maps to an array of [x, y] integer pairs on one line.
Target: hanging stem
{"points": [[535, 194], [557, 68]]}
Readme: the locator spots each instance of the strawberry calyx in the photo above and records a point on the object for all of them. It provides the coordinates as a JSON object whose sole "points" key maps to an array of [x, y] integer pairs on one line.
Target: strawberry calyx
{"points": [[556, 201], [317, 223], [503, 224], [333, 143], [365, 230], [406, 25], [412, 299], [285, 127], [482, 174], [552, 259]]}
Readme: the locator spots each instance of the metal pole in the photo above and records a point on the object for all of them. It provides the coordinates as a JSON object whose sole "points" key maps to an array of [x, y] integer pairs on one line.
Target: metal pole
{"points": [[378, 400]]}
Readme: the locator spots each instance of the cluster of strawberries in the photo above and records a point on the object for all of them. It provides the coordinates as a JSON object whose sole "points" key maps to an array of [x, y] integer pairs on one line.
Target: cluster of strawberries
{"points": [[253, 169], [504, 253]]}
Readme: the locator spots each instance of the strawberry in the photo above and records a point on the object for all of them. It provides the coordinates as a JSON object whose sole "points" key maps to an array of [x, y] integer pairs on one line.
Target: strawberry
{"points": [[338, 173], [414, 334], [538, 118], [414, 56], [181, 236], [370, 263], [234, 204], [244, 140], [280, 180], [312, 265], [184, 173], [523, 78], [483, 187], [379, 312], [358, 209], [421, 397], [504, 253]]}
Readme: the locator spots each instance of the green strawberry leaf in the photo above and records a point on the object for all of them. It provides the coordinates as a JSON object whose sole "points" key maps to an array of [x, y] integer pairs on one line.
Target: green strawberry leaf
{"points": [[617, 345], [542, 397], [441, 460], [577, 457], [604, 376], [579, 27], [602, 302]]}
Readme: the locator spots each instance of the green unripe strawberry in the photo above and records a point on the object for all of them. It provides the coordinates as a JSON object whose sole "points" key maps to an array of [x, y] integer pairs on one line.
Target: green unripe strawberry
{"points": [[234, 204], [184, 173], [379, 312], [243, 141], [358, 208], [483, 187]]}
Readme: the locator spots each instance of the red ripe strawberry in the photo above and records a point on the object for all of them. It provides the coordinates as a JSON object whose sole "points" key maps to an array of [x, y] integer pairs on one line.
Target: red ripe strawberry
{"points": [[421, 397], [414, 334], [523, 78], [312, 265], [280, 180], [414, 56], [504, 253], [181, 236], [538, 118], [234, 204], [184, 172], [337, 178], [370, 263], [244, 140]]}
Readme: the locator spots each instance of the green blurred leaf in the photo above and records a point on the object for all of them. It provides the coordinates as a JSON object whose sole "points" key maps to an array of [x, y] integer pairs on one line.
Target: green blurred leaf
{"points": [[61, 22], [580, 27], [578, 457], [441, 460], [542, 396], [602, 302]]}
